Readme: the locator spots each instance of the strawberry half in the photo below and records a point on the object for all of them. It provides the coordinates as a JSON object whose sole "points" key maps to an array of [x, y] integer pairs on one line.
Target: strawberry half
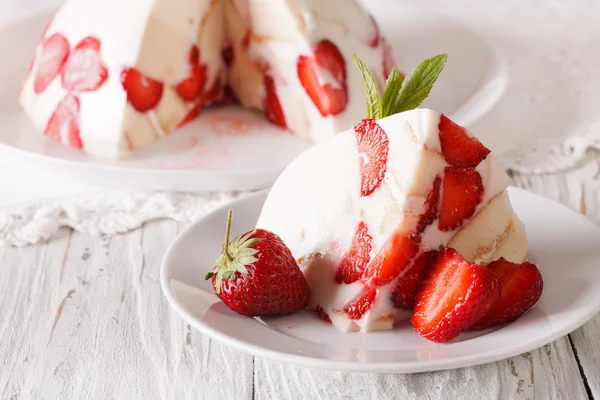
{"points": [[458, 147], [431, 206], [408, 284], [63, 125], [453, 297], [361, 305], [330, 99], [84, 70], [393, 259], [356, 259], [143, 93], [521, 286], [54, 53], [271, 104], [191, 88], [462, 191], [373, 148]]}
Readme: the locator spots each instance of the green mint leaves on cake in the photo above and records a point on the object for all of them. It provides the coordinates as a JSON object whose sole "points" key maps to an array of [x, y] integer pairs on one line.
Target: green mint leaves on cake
{"points": [[400, 94]]}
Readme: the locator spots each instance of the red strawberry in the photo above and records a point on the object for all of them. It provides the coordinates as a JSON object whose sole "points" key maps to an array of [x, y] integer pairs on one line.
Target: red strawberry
{"points": [[54, 53], [257, 275], [322, 314], [143, 93], [461, 193], [84, 70], [356, 259], [431, 206], [271, 104], [329, 99], [389, 62], [393, 259], [521, 287], [191, 88], [373, 147], [361, 305], [408, 285], [63, 125], [458, 147], [453, 297]]}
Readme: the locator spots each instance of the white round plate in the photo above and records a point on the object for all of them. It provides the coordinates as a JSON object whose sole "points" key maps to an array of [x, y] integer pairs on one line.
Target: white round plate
{"points": [[562, 243], [234, 149]]}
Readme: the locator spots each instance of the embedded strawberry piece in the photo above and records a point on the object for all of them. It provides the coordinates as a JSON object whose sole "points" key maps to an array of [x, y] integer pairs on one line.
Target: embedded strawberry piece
{"points": [[191, 88], [271, 104], [431, 206], [373, 147], [521, 286], [356, 259], [191, 115], [361, 305], [462, 191], [143, 93], [389, 61], [84, 71], [458, 147], [54, 53], [393, 259], [408, 285], [330, 99], [453, 297], [63, 125], [322, 314]]}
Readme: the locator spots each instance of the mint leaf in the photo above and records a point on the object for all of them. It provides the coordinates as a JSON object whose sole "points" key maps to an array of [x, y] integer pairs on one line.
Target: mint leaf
{"points": [[371, 92], [418, 84], [392, 88]]}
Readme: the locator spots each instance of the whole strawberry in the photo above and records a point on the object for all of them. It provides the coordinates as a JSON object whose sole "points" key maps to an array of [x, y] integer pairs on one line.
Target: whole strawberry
{"points": [[256, 275]]}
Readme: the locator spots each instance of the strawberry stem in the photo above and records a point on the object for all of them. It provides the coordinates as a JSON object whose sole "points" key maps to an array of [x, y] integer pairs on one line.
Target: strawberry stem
{"points": [[227, 230]]}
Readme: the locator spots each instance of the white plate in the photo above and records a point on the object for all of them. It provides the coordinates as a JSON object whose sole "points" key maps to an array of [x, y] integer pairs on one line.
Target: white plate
{"points": [[233, 149], [562, 243]]}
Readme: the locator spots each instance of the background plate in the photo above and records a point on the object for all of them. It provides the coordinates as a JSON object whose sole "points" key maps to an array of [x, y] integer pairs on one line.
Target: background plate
{"points": [[234, 149]]}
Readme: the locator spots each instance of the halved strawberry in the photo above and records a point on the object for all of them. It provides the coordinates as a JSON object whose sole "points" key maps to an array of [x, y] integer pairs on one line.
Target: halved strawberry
{"points": [[458, 147], [329, 99], [462, 191], [408, 284], [389, 62], [431, 206], [521, 286], [373, 148], [271, 104], [362, 304], [143, 93], [356, 259], [84, 70], [453, 297], [393, 259], [191, 88], [54, 53], [63, 125], [322, 314]]}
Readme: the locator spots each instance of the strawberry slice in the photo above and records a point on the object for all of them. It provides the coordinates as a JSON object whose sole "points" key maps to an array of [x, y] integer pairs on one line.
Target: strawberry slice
{"points": [[63, 125], [54, 53], [373, 147], [191, 88], [329, 99], [271, 104], [431, 206], [408, 284], [458, 147], [84, 71], [389, 62], [521, 286], [361, 305], [462, 191], [393, 259], [322, 314], [143, 93], [454, 295], [354, 261]]}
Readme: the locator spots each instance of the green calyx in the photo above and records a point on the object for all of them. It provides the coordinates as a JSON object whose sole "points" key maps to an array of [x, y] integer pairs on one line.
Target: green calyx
{"points": [[400, 94], [235, 256]]}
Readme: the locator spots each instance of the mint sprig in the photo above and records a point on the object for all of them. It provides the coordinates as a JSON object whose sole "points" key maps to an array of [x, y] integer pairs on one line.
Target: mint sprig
{"points": [[400, 94]]}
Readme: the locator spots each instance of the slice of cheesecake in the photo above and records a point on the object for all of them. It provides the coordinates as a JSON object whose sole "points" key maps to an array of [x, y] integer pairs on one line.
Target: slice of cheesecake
{"points": [[364, 211]]}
